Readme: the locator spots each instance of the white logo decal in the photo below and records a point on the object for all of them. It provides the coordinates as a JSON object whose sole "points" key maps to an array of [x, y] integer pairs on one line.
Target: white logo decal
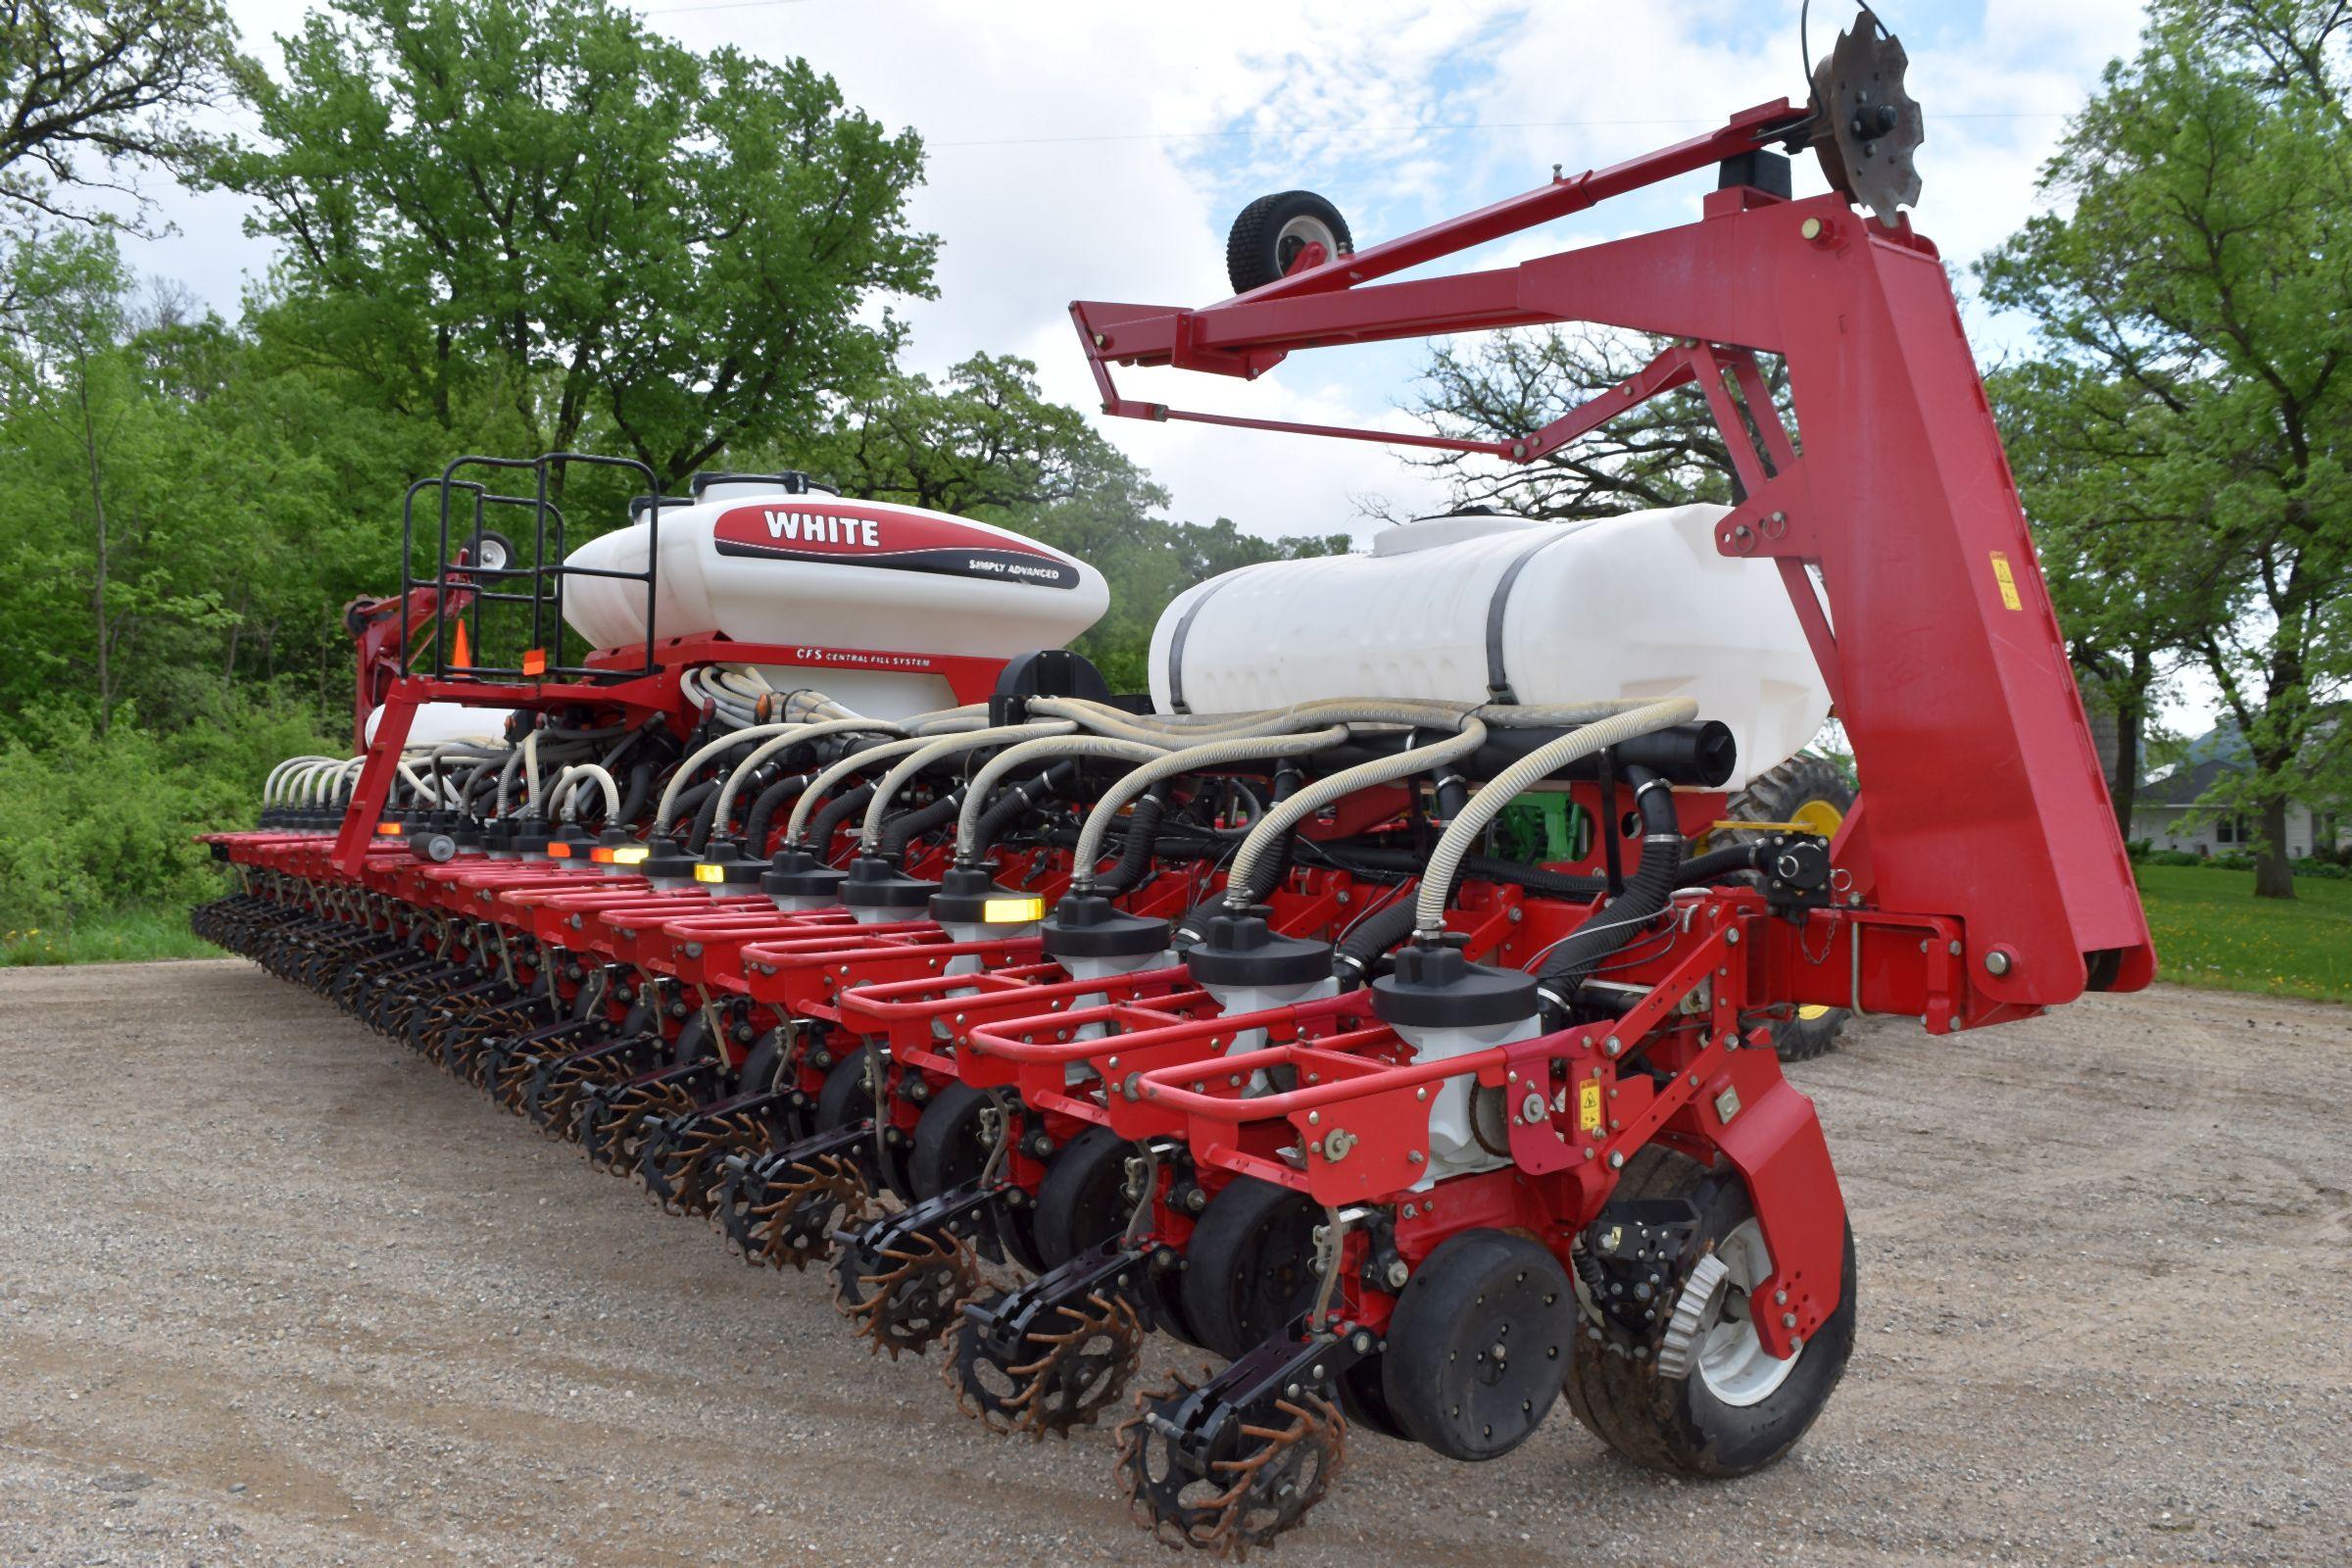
{"points": [[825, 528]]}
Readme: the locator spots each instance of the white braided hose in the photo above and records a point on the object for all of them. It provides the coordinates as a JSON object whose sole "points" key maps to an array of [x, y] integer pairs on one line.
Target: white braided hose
{"points": [[1285, 815], [871, 831], [975, 796], [743, 770], [823, 784], [1463, 833], [1189, 760]]}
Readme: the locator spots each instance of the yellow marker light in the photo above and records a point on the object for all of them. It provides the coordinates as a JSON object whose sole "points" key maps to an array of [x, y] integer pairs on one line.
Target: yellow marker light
{"points": [[709, 873], [628, 855], [389, 830], [1011, 912]]}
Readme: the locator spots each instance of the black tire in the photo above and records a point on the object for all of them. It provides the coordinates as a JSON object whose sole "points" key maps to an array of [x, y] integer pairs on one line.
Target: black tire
{"points": [[1083, 1200], [844, 1097], [951, 1147], [1268, 235], [1479, 1293], [1802, 786], [491, 551], [1247, 1271], [758, 1073], [1678, 1425]]}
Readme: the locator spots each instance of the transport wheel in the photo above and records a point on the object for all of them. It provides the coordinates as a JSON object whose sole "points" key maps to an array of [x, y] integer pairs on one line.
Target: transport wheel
{"points": [[491, 551], [1247, 1271], [1083, 1201], [1814, 794], [1270, 233], [1480, 1345], [1739, 1409]]}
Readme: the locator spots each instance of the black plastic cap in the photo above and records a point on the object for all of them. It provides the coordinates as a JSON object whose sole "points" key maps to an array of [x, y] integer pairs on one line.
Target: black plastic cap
{"points": [[1088, 925], [1242, 949], [874, 883], [1434, 987], [669, 860], [964, 895], [800, 874]]}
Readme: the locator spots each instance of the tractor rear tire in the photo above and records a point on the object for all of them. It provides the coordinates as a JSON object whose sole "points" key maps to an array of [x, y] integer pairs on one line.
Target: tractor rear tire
{"points": [[1812, 792], [1686, 1425]]}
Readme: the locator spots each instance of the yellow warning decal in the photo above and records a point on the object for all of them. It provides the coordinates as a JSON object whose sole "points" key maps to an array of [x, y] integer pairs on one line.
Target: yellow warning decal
{"points": [[1588, 1106], [2007, 579]]}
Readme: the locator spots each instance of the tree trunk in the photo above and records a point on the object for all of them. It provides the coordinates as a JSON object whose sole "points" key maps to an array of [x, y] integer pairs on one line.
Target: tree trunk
{"points": [[2274, 873], [89, 447], [2131, 722]]}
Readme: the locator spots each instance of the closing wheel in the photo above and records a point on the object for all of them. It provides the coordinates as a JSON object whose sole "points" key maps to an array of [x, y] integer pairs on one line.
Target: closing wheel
{"points": [[952, 1140], [844, 1099], [1272, 232], [1810, 792], [1737, 1409], [1247, 1271], [1480, 1345]]}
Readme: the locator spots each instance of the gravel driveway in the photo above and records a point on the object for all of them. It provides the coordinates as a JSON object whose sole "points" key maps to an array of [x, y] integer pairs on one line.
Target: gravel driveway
{"points": [[271, 1291]]}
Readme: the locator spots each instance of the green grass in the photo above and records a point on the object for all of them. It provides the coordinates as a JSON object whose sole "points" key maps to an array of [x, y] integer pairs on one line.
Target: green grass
{"points": [[126, 936], [2212, 931]]}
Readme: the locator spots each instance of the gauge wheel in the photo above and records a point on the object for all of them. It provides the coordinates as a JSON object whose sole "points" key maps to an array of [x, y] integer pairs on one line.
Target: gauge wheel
{"points": [[1480, 1345], [1810, 792], [1739, 1408], [1271, 233], [1247, 1271]]}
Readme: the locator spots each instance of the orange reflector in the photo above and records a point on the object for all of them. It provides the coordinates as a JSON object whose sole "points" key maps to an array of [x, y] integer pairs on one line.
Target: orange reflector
{"points": [[602, 854], [461, 653], [389, 830], [534, 662], [557, 849]]}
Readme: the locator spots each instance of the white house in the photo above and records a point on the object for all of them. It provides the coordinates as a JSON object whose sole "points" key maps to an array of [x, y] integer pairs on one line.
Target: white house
{"points": [[2165, 812]]}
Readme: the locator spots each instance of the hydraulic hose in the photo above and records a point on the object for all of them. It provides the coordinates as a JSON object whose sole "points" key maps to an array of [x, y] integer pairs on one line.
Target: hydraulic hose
{"points": [[939, 751], [1264, 839], [1189, 760], [1014, 800], [967, 849], [1135, 854], [1612, 925], [1370, 937], [1465, 830], [804, 732], [763, 810], [908, 826], [796, 830], [834, 813]]}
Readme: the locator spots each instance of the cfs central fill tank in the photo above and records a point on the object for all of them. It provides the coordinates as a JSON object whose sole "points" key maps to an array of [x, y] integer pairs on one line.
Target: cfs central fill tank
{"points": [[1462, 607], [764, 564]]}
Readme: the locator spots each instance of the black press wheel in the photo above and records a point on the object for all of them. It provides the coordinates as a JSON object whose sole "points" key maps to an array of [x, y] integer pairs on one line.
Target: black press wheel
{"points": [[1248, 1270], [1268, 236], [952, 1141], [1739, 1409], [1813, 793]]}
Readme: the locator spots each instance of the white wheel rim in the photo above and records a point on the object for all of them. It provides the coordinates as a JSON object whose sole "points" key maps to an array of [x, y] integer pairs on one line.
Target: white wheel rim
{"points": [[491, 555], [1732, 1362], [1306, 232]]}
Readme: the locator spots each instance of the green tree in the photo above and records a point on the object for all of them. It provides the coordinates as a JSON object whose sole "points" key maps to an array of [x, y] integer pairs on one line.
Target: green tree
{"points": [[2198, 282], [543, 205], [1498, 386], [91, 89]]}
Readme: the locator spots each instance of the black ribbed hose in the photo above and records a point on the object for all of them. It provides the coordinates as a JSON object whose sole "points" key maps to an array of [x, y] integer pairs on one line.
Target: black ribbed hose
{"points": [[763, 810], [1368, 940], [1611, 926], [1013, 802], [904, 827], [835, 811], [1135, 854]]}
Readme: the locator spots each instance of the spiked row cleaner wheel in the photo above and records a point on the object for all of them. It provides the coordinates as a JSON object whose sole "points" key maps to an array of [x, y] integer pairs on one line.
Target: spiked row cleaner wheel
{"points": [[1057, 1032]]}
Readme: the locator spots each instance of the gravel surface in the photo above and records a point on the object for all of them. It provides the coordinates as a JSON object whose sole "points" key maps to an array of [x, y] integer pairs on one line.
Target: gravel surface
{"points": [[271, 1291]]}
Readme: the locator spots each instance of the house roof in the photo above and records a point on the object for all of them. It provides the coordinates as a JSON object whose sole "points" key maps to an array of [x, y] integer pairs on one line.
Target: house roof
{"points": [[2184, 784]]}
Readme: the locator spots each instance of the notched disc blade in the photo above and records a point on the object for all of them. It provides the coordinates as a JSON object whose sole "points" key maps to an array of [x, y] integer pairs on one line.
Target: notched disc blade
{"points": [[1870, 127]]}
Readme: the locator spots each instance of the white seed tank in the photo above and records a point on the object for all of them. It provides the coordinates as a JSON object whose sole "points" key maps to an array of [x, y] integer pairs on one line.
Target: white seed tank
{"points": [[1640, 605], [821, 573]]}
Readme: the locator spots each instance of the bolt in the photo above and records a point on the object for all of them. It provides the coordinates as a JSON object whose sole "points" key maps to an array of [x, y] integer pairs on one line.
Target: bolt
{"points": [[1611, 1046], [1788, 1320], [1732, 937], [1616, 1162], [1997, 963], [1811, 228]]}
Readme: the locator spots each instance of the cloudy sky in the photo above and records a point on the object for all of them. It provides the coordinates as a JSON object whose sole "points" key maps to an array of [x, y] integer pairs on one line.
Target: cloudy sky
{"points": [[1080, 149]]}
